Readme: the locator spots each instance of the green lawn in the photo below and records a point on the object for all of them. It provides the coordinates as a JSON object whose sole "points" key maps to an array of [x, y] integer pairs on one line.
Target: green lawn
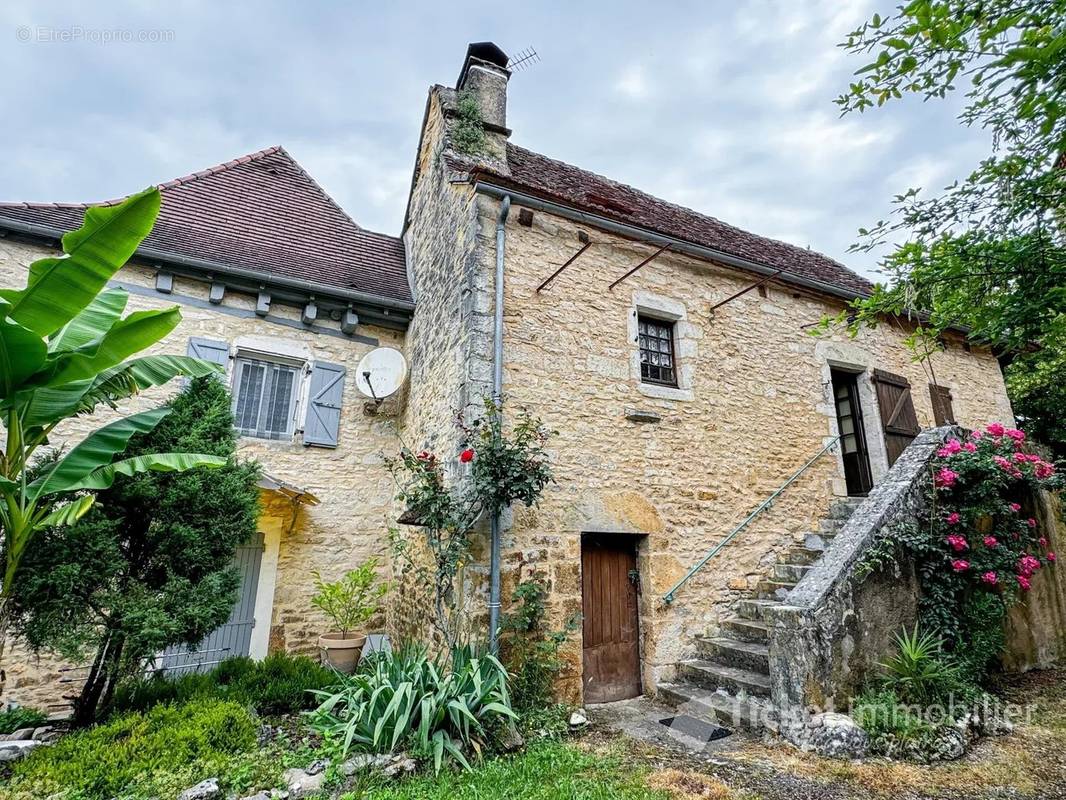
{"points": [[544, 771]]}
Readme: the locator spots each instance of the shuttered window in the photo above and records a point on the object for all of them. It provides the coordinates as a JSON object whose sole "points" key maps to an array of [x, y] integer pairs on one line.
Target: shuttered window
{"points": [[943, 413], [657, 351], [264, 398]]}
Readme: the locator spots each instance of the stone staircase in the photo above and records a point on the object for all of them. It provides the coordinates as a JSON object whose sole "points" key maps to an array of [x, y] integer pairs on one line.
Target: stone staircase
{"points": [[729, 679]]}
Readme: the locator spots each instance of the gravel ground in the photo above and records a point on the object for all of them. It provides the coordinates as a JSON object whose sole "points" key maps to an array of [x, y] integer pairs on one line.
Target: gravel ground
{"points": [[1030, 764]]}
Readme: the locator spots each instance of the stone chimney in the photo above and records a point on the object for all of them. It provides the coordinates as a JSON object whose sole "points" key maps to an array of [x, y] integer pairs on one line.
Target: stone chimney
{"points": [[484, 77]]}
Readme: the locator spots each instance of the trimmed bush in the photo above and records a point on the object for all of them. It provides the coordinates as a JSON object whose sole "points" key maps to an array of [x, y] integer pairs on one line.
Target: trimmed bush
{"points": [[17, 718], [279, 684], [138, 755]]}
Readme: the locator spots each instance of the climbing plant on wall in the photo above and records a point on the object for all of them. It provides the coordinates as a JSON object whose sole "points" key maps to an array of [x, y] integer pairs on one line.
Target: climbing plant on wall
{"points": [[503, 467], [978, 550]]}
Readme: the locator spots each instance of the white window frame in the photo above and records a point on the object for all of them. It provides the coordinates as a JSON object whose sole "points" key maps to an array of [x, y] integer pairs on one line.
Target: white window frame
{"points": [[298, 400]]}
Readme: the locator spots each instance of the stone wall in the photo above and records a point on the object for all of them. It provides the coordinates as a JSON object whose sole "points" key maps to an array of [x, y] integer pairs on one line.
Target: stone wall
{"points": [[754, 403], [347, 526]]}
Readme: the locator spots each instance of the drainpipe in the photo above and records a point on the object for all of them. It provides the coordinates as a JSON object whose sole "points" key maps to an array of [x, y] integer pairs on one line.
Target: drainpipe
{"points": [[497, 398]]}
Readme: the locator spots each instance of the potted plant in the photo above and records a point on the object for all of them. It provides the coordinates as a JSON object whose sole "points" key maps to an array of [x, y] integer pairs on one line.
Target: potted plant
{"points": [[349, 603]]}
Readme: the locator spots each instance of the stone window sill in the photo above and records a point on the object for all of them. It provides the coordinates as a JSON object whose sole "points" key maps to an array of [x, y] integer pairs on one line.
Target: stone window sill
{"points": [[664, 392]]}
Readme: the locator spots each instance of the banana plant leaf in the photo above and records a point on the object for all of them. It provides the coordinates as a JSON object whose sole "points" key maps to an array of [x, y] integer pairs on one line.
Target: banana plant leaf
{"points": [[22, 353], [68, 513], [93, 321], [159, 462], [59, 288], [128, 336], [94, 451]]}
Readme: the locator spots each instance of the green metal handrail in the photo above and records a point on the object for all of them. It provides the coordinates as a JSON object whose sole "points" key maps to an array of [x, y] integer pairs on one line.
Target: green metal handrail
{"points": [[763, 506]]}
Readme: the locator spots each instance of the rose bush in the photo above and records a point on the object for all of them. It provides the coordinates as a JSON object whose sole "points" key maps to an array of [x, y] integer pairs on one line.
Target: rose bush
{"points": [[977, 552]]}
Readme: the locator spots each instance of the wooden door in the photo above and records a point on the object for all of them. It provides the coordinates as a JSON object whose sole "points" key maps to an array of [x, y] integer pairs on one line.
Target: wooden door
{"points": [[234, 637], [611, 646], [853, 450], [943, 413], [898, 419]]}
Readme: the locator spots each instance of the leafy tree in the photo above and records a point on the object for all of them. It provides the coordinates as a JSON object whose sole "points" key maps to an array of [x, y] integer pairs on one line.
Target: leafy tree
{"points": [[150, 565], [64, 347], [986, 252]]}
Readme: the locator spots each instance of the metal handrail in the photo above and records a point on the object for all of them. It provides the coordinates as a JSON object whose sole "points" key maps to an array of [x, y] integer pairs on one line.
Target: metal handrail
{"points": [[763, 506]]}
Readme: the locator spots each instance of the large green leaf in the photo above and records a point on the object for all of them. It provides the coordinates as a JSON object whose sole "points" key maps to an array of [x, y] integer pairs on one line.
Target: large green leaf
{"points": [[93, 321], [59, 288], [44, 405], [139, 330], [159, 462], [67, 513], [93, 452], [22, 353]]}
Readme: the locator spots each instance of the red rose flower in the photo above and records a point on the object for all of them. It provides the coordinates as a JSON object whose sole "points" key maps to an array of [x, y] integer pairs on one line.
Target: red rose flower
{"points": [[467, 455]]}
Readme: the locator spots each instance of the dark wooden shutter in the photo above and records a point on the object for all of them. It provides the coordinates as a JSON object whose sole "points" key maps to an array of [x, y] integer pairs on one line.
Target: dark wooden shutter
{"points": [[898, 419], [322, 427], [943, 413]]}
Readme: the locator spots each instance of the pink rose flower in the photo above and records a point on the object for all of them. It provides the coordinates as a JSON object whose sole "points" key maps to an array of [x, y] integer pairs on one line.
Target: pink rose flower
{"points": [[976, 435], [1044, 470], [945, 478], [1027, 565], [1021, 458], [990, 578], [953, 518], [959, 565], [991, 541], [1002, 462], [1015, 507], [1031, 522], [1024, 583], [1043, 541], [957, 543], [1051, 557], [949, 449], [996, 429], [970, 447], [1016, 435]]}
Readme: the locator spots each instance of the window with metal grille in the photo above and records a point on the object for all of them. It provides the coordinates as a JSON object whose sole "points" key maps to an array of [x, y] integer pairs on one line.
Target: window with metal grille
{"points": [[657, 351], [264, 398]]}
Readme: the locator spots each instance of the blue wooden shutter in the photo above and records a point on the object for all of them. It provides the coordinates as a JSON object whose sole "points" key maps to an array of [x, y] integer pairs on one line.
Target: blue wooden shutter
{"points": [[323, 423], [209, 350]]}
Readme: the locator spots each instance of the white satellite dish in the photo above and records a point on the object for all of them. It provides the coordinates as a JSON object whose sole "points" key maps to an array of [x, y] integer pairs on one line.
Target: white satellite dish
{"points": [[381, 373]]}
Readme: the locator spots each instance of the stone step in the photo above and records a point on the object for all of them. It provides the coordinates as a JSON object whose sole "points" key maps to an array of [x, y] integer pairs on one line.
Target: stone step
{"points": [[831, 527], [746, 630], [844, 508], [801, 555], [770, 589], [712, 675], [732, 712], [754, 656], [817, 541], [790, 572], [751, 608]]}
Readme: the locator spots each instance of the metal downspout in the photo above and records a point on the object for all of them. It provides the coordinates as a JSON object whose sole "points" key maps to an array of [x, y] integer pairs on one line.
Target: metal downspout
{"points": [[497, 398]]}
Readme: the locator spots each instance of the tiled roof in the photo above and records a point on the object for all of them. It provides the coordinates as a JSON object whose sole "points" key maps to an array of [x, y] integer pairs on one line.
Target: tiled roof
{"points": [[261, 212], [556, 180]]}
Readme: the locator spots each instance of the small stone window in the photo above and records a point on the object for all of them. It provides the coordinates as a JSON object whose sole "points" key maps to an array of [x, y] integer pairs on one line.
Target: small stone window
{"points": [[657, 363]]}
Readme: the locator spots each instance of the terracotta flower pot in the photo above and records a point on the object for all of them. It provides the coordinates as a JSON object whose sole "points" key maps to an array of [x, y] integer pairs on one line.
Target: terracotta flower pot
{"points": [[340, 652]]}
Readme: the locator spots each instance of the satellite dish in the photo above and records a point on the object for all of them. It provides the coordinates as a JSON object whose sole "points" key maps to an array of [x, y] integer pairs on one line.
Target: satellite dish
{"points": [[381, 373]]}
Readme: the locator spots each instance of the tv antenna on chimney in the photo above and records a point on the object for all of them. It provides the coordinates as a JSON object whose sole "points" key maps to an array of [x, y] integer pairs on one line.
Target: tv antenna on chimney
{"points": [[524, 59]]}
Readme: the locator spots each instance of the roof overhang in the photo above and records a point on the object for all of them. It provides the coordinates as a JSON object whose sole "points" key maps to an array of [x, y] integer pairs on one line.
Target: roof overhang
{"points": [[271, 484], [635, 232], [371, 308]]}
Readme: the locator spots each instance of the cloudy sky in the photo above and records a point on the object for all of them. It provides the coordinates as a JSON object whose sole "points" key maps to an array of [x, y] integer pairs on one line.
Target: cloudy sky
{"points": [[722, 106]]}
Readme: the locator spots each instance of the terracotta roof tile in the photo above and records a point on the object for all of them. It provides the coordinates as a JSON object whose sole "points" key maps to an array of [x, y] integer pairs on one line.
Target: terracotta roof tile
{"points": [[260, 212], [556, 180]]}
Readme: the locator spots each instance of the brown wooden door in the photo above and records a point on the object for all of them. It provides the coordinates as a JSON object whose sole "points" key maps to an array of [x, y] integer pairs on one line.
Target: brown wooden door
{"points": [[611, 648], [898, 419], [943, 413]]}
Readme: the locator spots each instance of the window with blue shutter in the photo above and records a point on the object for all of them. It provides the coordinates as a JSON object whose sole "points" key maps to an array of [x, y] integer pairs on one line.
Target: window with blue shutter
{"points": [[322, 427], [209, 350]]}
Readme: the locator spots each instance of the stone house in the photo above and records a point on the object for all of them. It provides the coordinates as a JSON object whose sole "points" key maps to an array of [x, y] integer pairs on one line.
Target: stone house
{"points": [[670, 350]]}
